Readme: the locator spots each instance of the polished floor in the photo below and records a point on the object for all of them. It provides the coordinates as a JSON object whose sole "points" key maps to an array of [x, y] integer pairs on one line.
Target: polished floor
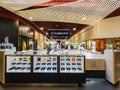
{"points": [[91, 84]]}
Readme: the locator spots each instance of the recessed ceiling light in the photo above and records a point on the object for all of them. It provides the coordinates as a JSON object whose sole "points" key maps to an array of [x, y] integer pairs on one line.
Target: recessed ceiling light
{"points": [[98, 20], [74, 29], [84, 18], [30, 18], [41, 28]]}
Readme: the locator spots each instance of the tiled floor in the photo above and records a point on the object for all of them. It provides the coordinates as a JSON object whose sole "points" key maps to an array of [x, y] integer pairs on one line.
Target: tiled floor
{"points": [[91, 84]]}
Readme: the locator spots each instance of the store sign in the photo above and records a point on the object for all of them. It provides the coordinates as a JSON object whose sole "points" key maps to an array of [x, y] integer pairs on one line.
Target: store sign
{"points": [[59, 32]]}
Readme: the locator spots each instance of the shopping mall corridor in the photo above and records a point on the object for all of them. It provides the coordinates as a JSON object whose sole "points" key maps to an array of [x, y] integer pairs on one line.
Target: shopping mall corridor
{"points": [[91, 84]]}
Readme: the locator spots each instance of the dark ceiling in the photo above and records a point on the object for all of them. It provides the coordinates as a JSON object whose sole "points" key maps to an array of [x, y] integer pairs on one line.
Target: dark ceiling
{"points": [[115, 13], [7, 14], [74, 28]]}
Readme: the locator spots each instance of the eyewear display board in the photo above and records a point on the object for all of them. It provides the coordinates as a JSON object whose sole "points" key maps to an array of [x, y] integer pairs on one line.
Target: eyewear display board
{"points": [[45, 64], [18, 64], [44, 69], [71, 64]]}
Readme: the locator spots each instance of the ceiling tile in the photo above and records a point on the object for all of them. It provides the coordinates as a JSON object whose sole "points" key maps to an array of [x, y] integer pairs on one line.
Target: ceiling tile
{"points": [[21, 4], [92, 10], [73, 12]]}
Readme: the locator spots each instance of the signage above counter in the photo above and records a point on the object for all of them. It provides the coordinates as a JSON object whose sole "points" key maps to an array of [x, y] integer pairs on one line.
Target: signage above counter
{"points": [[59, 33]]}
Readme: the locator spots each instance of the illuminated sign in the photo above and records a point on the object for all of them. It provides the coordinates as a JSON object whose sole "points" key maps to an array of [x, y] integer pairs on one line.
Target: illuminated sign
{"points": [[59, 32]]}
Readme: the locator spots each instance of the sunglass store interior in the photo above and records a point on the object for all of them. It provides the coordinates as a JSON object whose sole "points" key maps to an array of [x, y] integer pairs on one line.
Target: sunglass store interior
{"points": [[58, 52]]}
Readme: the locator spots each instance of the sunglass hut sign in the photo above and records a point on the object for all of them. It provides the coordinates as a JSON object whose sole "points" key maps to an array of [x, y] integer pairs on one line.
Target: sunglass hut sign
{"points": [[59, 33]]}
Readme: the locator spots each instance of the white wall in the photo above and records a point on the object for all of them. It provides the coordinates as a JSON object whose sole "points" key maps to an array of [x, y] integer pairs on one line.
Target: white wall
{"points": [[87, 34], [108, 28]]}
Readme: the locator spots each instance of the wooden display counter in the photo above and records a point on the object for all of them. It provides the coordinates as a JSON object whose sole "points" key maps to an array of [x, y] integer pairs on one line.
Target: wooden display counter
{"points": [[95, 64], [95, 68]]}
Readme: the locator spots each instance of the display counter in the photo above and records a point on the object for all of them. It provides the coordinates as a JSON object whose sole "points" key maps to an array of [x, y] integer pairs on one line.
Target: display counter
{"points": [[112, 66], [43, 69], [95, 68], [94, 64], [92, 55]]}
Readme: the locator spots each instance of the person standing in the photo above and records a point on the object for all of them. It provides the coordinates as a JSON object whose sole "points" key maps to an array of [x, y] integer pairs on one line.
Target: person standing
{"points": [[49, 48]]}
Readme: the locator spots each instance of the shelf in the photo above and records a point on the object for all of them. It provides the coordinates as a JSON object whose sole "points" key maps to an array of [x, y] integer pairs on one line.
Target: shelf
{"points": [[45, 64], [18, 64], [44, 69], [69, 64]]}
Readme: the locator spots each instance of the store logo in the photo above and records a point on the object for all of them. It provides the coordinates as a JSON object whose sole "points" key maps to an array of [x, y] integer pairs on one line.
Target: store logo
{"points": [[59, 33]]}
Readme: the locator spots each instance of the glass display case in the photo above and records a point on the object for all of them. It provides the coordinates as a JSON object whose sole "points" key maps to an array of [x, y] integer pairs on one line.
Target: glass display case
{"points": [[71, 64], [44, 69], [45, 64], [18, 64]]}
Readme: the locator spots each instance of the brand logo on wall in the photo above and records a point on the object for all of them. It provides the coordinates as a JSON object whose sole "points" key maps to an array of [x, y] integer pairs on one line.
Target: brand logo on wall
{"points": [[59, 32]]}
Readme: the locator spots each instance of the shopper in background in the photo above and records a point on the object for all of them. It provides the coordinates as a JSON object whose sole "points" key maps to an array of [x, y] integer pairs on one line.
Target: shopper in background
{"points": [[71, 46], [62, 46], [49, 48], [55, 47]]}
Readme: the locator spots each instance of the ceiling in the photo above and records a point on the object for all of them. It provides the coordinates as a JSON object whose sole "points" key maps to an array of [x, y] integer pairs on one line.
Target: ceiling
{"points": [[72, 27], [62, 14]]}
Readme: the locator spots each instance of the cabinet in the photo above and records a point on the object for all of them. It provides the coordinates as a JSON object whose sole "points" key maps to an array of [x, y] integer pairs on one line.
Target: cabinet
{"points": [[45, 64], [71, 64], [18, 64], [44, 69], [112, 66]]}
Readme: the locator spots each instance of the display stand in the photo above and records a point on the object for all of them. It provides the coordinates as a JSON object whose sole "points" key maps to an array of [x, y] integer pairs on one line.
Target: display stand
{"points": [[44, 69], [112, 66], [95, 68]]}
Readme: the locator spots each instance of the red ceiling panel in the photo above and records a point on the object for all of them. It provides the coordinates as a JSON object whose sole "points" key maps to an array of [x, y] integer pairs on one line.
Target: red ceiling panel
{"points": [[115, 13], [54, 3], [50, 4]]}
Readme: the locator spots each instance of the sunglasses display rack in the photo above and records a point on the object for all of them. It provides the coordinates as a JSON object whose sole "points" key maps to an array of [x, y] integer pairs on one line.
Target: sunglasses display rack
{"points": [[44, 69], [45, 64], [18, 64], [70, 64]]}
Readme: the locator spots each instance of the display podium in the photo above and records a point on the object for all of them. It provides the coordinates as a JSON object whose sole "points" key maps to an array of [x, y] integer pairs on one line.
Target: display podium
{"points": [[44, 69], [112, 66]]}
